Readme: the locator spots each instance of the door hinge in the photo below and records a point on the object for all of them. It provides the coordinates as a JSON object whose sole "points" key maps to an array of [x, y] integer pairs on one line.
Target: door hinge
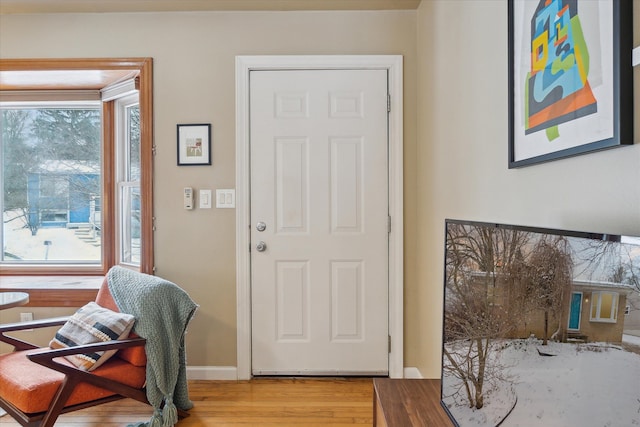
{"points": [[389, 224], [388, 103], [389, 343]]}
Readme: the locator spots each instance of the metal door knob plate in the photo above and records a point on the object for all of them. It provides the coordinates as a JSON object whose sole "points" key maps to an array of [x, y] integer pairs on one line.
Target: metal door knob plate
{"points": [[261, 226], [261, 246]]}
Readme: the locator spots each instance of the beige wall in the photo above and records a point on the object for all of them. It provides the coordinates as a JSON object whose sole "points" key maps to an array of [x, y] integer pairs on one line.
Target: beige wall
{"points": [[194, 82], [455, 139], [462, 157]]}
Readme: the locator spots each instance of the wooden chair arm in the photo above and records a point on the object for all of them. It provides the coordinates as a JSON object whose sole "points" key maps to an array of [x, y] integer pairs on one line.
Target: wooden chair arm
{"points": [[45, 357], [33, 324], [19, 344]]}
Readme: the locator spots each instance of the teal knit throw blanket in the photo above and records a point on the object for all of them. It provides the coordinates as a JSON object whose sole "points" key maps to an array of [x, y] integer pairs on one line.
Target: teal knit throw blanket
{"points": [[162, 311]]}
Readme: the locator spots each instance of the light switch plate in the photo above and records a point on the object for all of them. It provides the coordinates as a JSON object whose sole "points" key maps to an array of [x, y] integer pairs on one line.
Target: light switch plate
{"points": [[226, 198], [205, 199]]}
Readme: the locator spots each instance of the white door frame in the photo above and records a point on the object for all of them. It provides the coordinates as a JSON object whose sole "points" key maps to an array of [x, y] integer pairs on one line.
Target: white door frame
{"points": [[246, 64]]}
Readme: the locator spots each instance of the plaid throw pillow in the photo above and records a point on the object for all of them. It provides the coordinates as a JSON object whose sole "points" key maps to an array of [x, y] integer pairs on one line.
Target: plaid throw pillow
{"points": [[90, 324]]}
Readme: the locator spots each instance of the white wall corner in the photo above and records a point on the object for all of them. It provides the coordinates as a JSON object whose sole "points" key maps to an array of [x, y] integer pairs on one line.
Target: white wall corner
{"points": [[412, 373], [218, 373], [636, 56]]}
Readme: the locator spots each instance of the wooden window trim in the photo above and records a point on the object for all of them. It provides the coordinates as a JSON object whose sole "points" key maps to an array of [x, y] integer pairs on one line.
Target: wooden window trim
{"points": [[39, 275], [54, 291]]}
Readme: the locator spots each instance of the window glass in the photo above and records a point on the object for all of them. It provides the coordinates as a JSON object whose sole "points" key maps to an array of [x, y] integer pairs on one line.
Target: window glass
{"points": [[130, 227], [51, 178], [129, 200], [133, 137], [604, 307]]}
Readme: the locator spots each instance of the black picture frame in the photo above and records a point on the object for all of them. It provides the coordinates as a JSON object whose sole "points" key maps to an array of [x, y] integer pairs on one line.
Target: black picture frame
{"points": [[194, 144], [596, 44]]}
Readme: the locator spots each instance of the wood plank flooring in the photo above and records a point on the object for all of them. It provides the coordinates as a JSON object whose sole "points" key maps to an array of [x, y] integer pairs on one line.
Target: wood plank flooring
{"points": [[260, 402]]}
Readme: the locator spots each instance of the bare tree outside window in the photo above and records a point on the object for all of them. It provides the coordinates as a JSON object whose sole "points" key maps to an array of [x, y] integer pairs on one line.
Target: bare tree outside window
{"points": [[531, 314], [476, 314], [550, 275]]}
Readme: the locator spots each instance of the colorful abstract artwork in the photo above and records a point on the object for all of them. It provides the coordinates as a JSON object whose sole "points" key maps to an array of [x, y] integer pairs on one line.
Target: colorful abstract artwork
{"points": [[569, 76], [557, 88]]}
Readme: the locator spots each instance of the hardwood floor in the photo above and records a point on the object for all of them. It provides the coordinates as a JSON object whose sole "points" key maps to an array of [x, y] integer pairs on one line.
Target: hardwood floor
{"points": [[260, 402]]}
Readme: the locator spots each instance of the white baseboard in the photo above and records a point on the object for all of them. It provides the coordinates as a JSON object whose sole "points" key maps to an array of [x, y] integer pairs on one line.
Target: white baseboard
{"points": [[410, 372], [230, 373], [218, 373], [636, 56]]}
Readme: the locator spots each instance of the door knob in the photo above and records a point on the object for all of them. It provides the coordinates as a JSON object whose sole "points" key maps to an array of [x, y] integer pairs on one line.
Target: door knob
{"points": [[261, 226], [261, 246]]}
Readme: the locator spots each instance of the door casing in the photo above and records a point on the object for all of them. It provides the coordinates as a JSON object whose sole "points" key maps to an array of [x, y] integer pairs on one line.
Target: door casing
{"points": [[246, 64]]}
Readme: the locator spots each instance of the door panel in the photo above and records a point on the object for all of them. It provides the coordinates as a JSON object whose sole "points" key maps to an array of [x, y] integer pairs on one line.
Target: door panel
{"points": [[347, 304], [292, 186], [318, 149], [346, 185], [293, 305]]}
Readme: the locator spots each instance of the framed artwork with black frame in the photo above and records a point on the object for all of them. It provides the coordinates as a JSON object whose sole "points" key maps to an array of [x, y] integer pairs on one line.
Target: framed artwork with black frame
{"points": [[570, 78], [194, 144]]}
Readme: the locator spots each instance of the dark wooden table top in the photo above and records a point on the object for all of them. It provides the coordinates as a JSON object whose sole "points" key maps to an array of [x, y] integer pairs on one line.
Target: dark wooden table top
{"points": [[410, 402]]}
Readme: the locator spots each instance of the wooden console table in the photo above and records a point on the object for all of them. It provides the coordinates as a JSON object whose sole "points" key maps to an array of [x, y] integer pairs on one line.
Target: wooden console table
{"points": [[408, 403]]}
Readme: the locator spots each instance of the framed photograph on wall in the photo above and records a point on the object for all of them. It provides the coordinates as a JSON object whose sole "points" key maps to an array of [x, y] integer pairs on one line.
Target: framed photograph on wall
{"points": [[570, 78], [194, 144]]}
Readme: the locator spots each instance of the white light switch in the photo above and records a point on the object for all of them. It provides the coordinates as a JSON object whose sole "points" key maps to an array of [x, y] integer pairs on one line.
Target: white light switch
{"points": [[226, 198], [205, 199]]}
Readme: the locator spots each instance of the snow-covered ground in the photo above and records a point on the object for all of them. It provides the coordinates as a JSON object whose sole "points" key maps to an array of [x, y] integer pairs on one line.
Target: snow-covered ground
{"points": [[631, 339], [65, 244], [581, 385]]}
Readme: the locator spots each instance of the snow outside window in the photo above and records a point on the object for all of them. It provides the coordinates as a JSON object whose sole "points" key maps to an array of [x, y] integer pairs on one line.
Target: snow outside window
{"points": [[50, 174]]}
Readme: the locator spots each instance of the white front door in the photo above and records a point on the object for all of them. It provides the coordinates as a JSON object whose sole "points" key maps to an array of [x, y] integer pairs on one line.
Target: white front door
{"points": [[319, 222]]}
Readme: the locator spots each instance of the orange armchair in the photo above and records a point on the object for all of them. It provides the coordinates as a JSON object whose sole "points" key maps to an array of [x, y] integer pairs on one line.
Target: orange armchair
{"points": [[37, 385]]}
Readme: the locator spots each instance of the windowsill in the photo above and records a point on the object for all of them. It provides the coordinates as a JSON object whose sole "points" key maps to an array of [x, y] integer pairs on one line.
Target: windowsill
{"points": [[54, 291]]}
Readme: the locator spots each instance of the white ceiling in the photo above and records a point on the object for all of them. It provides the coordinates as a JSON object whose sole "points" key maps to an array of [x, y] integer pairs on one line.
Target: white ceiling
{"points": [[109, 6]]}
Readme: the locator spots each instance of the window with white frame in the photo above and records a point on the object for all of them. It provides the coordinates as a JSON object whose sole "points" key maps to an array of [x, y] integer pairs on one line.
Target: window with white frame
{"points": [[128, 179], [604, 307]]}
